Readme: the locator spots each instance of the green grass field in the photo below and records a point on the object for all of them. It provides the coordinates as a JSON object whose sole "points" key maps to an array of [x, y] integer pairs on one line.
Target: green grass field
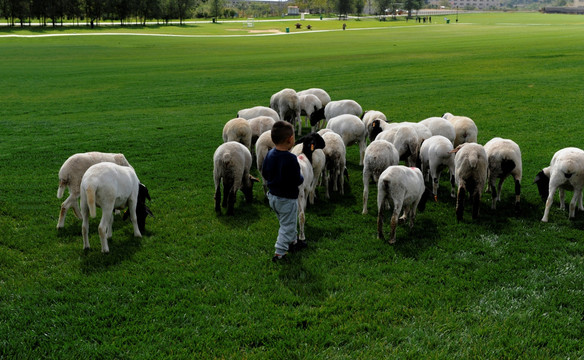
{"points": [[198, 285]]}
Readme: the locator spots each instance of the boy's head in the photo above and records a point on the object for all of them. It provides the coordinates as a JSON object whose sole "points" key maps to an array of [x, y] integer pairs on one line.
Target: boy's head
{"points": [[282, 132]]}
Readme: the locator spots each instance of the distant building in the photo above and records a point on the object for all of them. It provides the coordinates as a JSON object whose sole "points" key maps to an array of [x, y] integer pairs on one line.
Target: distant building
{"points": [[578, 3], [293, 10], [477, 4]]}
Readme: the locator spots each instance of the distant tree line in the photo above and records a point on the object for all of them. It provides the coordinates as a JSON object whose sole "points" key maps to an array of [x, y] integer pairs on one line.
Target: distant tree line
{"points": [[93, 12]]}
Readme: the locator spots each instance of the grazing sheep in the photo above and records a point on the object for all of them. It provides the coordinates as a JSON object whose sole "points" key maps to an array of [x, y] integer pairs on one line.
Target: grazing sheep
{"points": [[262, 146], [258, 111], [239, 130], [471, 165], [304, 191], [440, 126], [435, 155], [504, 159], [566, 172], [352, 130], [368, 120], [70, 176], [379, 155], [335, 152], [231, 164], [324, 98], [401, 187], [311, 107], [464, 127], [111, 186], [285, 103], [375, 127], [260, 125], [311, 146], [341, 107], [406, 141]]}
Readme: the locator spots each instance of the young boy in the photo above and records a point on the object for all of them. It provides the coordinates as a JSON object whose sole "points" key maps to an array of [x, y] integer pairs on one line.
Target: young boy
{"points": [[282, 172]]}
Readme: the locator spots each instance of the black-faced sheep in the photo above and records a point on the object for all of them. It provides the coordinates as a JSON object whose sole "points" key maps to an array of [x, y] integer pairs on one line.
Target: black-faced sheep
{"points": [[232, 162], [312, 146], [504, 159], [566, 172], [324, 98], [311, 107], [400, 187], [239, 130], [379, 155], [70, 176], [471, 165], [111, 186], [352, 130], [285, 103]]}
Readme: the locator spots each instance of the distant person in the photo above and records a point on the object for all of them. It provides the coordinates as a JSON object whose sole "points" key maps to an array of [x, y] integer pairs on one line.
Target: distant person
{"points": [[282, 172], [344, 26]]}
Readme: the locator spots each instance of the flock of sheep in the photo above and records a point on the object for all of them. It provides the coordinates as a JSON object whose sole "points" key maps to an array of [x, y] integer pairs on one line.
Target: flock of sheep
{"points": [[426, 148]]}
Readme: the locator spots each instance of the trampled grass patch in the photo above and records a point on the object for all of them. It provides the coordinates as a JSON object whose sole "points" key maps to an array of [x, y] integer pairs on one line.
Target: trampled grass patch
{"points": [[201, 285]]}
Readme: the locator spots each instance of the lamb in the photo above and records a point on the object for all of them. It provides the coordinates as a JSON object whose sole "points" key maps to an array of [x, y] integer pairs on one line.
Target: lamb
{"points": [[471, 165], [464, 127], [379, 155], [311, 107], [504, 158], [335, 153], [311, 146], [259, 125], [262, 146], [566, 172], [403, 187], [285, 103], [232, 162], [111, 186], [70, 176], [435, 155], [406, 141], [440, 126], [352, 130], [304, 191], [341, 107], [239, 130], [256, 111]]}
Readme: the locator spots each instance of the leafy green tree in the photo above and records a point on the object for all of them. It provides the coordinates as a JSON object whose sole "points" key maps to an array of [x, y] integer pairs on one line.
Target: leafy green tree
{"points": [[344, 7], [216, 8], [411, 5]]}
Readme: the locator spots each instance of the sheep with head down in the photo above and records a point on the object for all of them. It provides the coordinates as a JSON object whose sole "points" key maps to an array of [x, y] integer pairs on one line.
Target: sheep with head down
{"points": [[352, 130], [335, 153], [471, 164], [379, 155], [239, 130], [256, 111], [436, 155], [504, 158], [312, 146], [285, 103]]}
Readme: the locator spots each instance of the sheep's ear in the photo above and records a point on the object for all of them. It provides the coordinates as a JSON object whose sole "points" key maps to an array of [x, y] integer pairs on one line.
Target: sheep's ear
{"points": [[148, 211], [455, 150], [301, 140], [144, 191], [254, 179], [320, 144], [539, 177]]}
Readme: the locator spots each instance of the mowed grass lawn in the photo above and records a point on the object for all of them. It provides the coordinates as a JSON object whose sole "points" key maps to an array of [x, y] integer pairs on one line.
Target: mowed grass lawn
{"points": [[199, 285]]}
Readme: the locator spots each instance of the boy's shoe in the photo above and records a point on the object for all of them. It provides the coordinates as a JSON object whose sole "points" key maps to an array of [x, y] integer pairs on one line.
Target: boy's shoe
{"points": [[279, 258], [298, 245]]}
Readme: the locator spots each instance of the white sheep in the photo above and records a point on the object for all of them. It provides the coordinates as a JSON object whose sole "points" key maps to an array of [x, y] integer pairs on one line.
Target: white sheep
{"points": [[259, 125], [111, 186], [399, 187], [371, 115], [304, 191], [262, 146], [471, 165], [379, 155], [435, 155], [231, 165], [352, 130], [256, 111], [464, 127], [374, 120], [239, 130], [440, 126], [285, 103], [311, 107], [70, 176], [566, 172], [504, 158], [341, 107], [406, 141], [335, 152], [312, 146], [324, 98]]}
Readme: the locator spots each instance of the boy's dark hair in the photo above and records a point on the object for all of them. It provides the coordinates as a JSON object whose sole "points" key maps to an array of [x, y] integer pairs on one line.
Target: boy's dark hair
{"points": [[281, 130]]}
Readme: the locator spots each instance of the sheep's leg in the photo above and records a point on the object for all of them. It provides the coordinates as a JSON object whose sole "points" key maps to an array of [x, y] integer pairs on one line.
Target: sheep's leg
{"points": [[394, 222], [435, 177], [460, 202], [518, 192], [365, 191], [85, 226], [580, 206], [326, 184], [476, 202], [362, 148], [562, 199], [452, 185], [104, 224], [499, 187], [575, 199], [548, 204], [218, 198], [231, 196], [71, 201], [494, 195], [341, 182]]}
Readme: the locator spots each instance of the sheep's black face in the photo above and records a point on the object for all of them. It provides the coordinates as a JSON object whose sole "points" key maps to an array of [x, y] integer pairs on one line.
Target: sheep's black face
{"points": [[316, 116], [543, 185], [425, 196], [375, 129], [142, 211]]}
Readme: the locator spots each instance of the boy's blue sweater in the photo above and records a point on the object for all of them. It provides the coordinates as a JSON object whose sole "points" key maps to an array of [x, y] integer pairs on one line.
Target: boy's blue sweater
{"points": [[282, 172]]}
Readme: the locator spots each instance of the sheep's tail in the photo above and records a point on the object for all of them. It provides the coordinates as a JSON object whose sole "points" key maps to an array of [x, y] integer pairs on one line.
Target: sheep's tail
{"points": [[90, 195], [61, 190]]}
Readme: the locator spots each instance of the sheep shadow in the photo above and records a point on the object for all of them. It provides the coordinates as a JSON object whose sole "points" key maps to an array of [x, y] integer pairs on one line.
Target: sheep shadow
{"points": [[410, 243], [244, 213]]}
